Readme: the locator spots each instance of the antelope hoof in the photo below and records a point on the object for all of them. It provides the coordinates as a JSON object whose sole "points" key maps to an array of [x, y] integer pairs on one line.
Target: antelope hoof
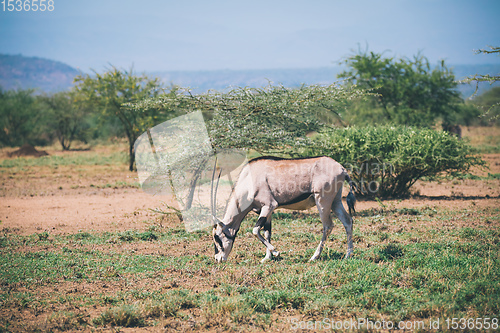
{"points": [[348, 255], [276, 253], [315, 256], [266, 259]]}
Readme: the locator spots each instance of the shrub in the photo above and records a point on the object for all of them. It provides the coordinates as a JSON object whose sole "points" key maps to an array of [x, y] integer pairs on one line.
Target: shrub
{"points": [[147, 236], [386, 161], [125, 315]]}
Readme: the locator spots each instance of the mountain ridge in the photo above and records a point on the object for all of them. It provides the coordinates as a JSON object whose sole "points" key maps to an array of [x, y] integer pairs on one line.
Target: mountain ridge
{"points": [[20, 72], [45, 75]]}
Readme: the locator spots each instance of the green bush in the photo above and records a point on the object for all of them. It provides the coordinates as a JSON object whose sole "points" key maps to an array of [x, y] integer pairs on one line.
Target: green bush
{"points": [[386, 161]]}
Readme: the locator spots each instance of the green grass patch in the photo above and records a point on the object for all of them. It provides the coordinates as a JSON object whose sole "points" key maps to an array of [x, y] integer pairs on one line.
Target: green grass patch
{"points": [[83, 159], [419, 272]]}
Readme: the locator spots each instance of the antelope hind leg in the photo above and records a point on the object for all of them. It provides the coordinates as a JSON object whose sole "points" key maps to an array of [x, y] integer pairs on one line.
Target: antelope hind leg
{"points": [[324, 213], [346, 220]]}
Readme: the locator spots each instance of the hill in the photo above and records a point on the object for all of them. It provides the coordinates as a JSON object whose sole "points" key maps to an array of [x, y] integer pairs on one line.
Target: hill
{"points": [[19, 72]]}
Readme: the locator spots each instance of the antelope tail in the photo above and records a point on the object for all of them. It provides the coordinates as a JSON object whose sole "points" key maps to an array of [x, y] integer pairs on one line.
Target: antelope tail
{"points": [[351, 199]]}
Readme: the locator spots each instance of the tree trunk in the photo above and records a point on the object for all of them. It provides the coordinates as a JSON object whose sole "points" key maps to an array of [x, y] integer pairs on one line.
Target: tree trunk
{"points": [[131, 153]]}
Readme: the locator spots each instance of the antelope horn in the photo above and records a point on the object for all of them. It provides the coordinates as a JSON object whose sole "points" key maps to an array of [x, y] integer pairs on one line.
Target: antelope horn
{"points": [[213, 197]]}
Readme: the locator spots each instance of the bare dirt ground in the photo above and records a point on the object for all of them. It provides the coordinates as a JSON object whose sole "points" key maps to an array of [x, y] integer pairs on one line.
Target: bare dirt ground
{"points": [[66, 199]]}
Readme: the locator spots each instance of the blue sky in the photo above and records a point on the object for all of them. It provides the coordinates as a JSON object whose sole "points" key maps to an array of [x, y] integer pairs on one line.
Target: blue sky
{"points": [[158, 35]]}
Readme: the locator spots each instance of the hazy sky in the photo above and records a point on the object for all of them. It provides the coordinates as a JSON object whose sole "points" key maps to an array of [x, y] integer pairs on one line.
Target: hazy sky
{"points": [[206, 35]]}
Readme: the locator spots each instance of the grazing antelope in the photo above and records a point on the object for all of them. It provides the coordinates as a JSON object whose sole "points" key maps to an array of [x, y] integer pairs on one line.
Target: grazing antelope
{"points": [[267, 183]]}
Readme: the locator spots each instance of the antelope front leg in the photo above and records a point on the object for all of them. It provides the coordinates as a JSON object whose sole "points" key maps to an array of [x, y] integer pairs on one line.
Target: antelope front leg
{"points": [[270, 250], [267, 236]]}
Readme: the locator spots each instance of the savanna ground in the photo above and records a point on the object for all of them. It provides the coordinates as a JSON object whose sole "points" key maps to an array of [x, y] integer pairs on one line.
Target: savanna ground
{"points": [[81, 249]]}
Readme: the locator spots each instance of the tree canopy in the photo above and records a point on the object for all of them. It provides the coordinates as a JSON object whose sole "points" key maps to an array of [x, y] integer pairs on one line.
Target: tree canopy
{"points": [[19, 117], [66, 117], [408, 91], [263, 119], [111, 90]]}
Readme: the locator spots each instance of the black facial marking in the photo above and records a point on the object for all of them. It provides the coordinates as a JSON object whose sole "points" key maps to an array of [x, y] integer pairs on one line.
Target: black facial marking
{"points": [[218, 241]]}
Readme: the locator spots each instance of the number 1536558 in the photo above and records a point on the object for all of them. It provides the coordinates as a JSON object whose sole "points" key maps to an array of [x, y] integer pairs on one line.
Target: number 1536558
{"points": [[27, 5]]}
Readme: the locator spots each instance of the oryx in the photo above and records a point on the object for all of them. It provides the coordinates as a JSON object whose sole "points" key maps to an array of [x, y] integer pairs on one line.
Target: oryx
{"points": [[266, 183]]}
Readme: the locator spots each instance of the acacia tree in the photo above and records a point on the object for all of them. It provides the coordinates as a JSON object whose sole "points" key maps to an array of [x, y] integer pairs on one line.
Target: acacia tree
{"points": [[111, 90], [266, 120], [489, 105], [408, 91]]}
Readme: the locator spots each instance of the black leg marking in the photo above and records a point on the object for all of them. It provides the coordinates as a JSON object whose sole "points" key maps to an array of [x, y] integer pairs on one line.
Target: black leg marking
{"points": [[267, 227], [261, 221]]}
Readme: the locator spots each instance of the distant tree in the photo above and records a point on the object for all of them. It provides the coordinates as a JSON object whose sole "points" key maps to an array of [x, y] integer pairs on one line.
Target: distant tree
{"points": [[492, 110], [407, 91], [111, 90], [19, 117], [66, 117]]}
